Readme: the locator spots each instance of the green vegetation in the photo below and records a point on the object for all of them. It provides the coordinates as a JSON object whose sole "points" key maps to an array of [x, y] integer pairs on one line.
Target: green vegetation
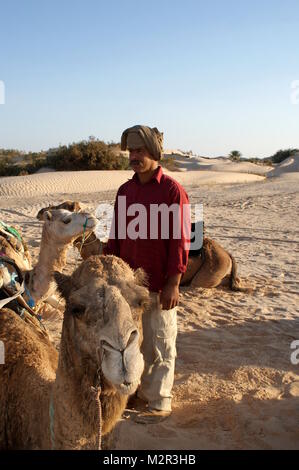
{"points": [[235, 155], [281, 155], [85, 155], [94, 154]]}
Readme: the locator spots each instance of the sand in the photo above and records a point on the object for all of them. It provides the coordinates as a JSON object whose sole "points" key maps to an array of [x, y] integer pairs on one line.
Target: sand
{"points": [[193, 163], [235, 386], [288, 168], [76, 182]]}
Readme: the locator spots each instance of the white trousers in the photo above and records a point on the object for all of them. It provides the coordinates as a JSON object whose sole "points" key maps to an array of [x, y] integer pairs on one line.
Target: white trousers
{"points": [[159, 352]]}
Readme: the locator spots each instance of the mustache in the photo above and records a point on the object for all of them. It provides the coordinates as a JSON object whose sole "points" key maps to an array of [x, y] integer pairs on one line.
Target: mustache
{"points": [[133, 162]]}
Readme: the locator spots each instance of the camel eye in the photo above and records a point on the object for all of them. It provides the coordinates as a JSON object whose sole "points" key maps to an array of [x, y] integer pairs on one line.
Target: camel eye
{"points": [[78, 310], [66, 221], [141, 303]]}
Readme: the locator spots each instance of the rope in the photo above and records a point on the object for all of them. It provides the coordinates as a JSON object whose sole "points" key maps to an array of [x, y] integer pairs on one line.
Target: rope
{"points": [[82, 243], [89, 243], [83, 236], [97, 392]]}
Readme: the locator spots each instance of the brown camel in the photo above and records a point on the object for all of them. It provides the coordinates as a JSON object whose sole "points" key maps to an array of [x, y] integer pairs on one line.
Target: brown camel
{"points": [[212, 266], [14, 248], [72, 206], [48, 401]]}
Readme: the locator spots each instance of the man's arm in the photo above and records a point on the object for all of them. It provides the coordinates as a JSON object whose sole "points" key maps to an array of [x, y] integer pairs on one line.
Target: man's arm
{"points": [[169, 296], [177, 253]]}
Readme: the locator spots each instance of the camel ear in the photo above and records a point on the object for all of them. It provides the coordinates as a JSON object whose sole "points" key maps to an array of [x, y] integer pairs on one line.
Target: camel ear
{"points": [[39, 215], [64, 284], [45, 216], [76, 206]]}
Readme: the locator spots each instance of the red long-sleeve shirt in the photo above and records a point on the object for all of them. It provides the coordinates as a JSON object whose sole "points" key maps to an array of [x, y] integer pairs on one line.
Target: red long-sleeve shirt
{"points": [[159, 257]]}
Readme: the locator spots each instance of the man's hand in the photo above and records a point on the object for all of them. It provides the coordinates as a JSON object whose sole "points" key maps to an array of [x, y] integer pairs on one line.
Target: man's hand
{"points": [[169, 296]]}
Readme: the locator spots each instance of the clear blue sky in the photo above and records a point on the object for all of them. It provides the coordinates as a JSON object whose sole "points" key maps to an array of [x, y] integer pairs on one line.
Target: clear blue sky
{"points": [[213, 75]]}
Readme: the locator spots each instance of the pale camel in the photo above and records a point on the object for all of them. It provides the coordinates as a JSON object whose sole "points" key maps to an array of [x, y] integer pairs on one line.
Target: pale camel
{"points": [[49, 402], [60, 228]]}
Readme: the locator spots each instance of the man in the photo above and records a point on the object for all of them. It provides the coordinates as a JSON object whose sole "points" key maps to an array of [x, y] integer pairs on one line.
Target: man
{"points": [[164, 259]]}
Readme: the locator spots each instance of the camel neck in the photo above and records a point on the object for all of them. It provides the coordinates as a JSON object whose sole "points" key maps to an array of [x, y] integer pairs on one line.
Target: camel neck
{"points": [[73, 405], [52, 257]]}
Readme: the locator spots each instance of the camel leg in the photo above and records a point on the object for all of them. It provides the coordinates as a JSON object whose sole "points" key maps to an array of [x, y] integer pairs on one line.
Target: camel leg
{"points": [[207, 279]]}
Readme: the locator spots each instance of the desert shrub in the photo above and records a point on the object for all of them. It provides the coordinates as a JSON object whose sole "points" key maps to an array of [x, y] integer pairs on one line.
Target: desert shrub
{"points": [[86, 155], [235, 155], [281, 155]]}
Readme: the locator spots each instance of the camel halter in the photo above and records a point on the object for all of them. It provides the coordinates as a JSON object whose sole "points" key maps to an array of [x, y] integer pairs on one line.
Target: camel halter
{"points": [[83, 236], [18, 295]]}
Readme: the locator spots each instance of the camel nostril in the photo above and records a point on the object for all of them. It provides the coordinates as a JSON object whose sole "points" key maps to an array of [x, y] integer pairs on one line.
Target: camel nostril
{"points": [[132, 337], [127, 384]]}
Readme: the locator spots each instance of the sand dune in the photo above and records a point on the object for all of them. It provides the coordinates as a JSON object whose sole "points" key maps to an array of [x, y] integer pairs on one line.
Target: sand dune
{"points": [[93, 181], [192, 163], [235, 385], [289, 168]]}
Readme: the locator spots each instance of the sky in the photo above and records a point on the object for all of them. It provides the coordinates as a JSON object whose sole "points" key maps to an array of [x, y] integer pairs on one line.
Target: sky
{"points": [[213, 76]]}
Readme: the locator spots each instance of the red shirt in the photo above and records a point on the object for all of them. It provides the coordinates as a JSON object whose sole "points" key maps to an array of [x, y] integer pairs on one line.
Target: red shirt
{"points": [[159, 257]]}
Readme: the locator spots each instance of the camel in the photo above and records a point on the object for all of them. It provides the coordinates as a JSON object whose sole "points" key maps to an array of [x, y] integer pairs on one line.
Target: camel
{"points": [[56, 402], [211, 266], [72, 206], [14, 247], [60, 228]]}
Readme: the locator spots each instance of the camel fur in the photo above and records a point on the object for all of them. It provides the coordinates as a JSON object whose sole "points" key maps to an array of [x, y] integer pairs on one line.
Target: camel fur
{"points": [[214, 267], [100, 342]]}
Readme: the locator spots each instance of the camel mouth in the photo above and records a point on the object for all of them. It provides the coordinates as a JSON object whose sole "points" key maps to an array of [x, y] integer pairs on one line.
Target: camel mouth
{"points": [[92, 222], [123, 369], [126, 388]]}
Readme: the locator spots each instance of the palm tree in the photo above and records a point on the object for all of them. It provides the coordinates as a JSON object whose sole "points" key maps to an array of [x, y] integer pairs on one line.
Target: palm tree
{"points": [[235, 155]]}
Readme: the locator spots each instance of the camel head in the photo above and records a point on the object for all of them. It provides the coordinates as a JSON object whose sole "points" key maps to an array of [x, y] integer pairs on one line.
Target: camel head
{"points": [[63, 225], [72, 206], [105, 300]]}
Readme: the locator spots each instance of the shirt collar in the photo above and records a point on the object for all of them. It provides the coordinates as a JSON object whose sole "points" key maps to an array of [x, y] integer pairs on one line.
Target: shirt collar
{"points": [[156, 176]]}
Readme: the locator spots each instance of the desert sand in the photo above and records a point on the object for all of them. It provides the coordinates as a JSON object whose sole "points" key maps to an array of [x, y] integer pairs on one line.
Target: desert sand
{"points": [[235, 385]]}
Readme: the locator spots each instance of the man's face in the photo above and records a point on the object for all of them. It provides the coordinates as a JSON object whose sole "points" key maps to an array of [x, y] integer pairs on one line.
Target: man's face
{"points": [[141, 160]]}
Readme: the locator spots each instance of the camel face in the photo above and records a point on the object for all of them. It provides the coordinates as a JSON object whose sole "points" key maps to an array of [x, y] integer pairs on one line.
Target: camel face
{"points": [[65, 225], [103, 311]]}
